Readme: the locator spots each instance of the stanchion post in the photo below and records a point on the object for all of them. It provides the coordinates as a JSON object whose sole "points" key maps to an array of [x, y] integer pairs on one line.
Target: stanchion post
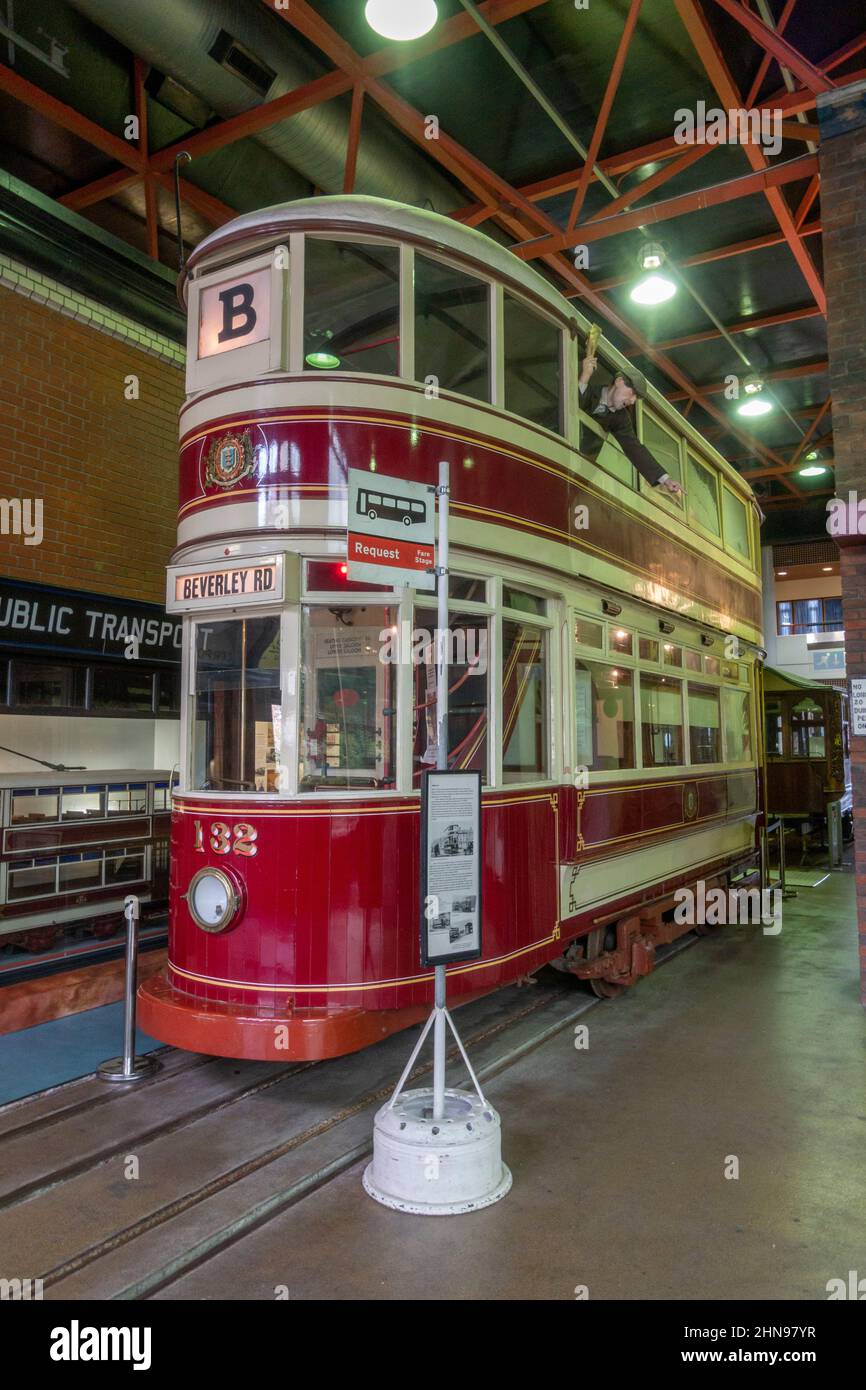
{"points": [[129, 1067], [442, 659]]}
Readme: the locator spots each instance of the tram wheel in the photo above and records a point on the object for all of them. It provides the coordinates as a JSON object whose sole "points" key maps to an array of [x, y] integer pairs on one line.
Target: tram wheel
{"points": [[606, 989]]}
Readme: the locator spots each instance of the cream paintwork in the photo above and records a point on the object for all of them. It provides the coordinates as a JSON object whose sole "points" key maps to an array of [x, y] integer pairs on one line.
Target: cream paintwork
{"points": [[583, 886]]}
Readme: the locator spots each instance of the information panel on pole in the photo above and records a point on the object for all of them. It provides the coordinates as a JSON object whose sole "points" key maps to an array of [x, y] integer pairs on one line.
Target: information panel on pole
{"points": [[450, 867], [390, 530]]}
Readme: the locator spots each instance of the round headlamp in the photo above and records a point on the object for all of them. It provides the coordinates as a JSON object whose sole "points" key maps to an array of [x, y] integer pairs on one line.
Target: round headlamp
{"points": [[213, 900]]}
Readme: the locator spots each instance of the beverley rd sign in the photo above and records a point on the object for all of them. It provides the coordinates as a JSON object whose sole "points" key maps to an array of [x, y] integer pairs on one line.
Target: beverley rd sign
{"points": [[224, 586]]}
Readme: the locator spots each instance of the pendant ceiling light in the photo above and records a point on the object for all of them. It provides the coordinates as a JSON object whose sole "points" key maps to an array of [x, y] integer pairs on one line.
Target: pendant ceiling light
{"points": [[401, 20]]}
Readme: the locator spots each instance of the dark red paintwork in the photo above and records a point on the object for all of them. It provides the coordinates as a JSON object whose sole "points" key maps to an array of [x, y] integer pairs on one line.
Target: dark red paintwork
{"points": [[496, 489]]}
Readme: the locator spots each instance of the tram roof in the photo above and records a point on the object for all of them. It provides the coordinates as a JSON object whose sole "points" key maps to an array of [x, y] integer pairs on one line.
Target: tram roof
{"points": [[369, 216], [382, 217]]}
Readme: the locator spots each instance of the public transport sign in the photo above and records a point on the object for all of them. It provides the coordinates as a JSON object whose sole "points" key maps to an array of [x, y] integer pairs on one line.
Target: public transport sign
{"points": [[390, 530], [450, 867]]}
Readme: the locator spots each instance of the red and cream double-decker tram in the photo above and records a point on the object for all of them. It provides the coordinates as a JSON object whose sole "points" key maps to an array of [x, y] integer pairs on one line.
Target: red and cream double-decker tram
{"points": [[595, 681]]}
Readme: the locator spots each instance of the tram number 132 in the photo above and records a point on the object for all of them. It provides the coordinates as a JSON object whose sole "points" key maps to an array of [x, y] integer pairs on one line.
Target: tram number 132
{"points": [[224, 839]]}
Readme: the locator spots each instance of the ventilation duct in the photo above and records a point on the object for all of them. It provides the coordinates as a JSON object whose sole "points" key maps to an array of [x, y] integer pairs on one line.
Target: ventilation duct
{"points": [[183, 39]]}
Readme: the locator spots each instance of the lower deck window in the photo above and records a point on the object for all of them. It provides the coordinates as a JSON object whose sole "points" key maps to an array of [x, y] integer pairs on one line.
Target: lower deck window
{"points": [[237, 721], [468, 693], [662, 716], [524, 726], [604, 717], [736, 706], [705, 733], [807, 730], [348, 698]]}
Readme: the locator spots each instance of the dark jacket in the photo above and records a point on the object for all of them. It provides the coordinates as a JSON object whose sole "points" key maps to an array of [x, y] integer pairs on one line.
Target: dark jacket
{"points": [[620, 424]]}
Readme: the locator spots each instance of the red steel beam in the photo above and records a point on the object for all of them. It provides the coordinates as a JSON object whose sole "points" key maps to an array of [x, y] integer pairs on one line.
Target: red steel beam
{"points": [[123, 151], [800, 369], [151, 207], [767, 58], [211, 208], [604, 110], [710, 54], [516, 213], [719, 253], [617, 164], [107, 187], [742, 326], [784, 52], [354, 138], [806, 203], [762, 180], [648, 185]]}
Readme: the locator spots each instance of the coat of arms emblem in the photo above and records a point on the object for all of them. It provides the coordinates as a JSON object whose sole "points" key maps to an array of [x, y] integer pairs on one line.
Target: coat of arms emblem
{"points": [[229, 459]]}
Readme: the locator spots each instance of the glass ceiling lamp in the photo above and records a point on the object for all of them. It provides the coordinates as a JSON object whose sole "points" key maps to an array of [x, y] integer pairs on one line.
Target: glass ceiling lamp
{"points": [[652, 288], [401, 20], [812, 470], [755, 403]]}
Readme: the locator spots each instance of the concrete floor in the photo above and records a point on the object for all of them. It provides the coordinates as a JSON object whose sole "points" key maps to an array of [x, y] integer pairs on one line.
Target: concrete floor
{"points": [[742, 1045], [745, 1045]]}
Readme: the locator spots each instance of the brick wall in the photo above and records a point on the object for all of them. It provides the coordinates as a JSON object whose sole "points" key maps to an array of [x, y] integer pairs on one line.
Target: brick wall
{"points": [[104, 466], [843, 210]]}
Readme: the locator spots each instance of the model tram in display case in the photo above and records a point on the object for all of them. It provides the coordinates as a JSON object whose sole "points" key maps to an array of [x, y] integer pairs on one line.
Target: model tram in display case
{"points": [[603, 637], [74, 845]]}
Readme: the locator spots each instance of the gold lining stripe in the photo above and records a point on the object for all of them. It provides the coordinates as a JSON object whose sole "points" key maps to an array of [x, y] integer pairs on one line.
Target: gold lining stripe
{"points": [[375, 984], [557, 470], [196, 808]]}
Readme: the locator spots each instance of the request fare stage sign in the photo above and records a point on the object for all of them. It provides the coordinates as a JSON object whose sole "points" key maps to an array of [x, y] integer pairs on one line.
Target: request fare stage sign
{"points": [[450, 867], [390, 530]]}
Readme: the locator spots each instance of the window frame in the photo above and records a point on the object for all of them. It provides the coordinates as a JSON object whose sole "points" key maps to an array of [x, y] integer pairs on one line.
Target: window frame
{"points": [[716, 538], [562, 432], [298, 308], [641, 627], [748, 560]]}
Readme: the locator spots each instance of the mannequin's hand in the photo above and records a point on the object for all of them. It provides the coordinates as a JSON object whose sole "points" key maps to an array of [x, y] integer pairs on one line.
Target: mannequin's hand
{"points": [[590, 362], [671, 485]]}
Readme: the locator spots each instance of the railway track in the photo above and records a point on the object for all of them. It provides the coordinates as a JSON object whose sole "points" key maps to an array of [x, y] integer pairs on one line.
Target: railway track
{"points": [[120, 1194]]}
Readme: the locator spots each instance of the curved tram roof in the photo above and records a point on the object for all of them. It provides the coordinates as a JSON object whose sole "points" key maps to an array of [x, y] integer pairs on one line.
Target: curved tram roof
{"points": [[381, 217]]}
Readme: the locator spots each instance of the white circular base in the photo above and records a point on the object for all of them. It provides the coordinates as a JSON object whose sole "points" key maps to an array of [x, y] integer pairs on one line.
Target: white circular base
{"points": [[437, 1167]]}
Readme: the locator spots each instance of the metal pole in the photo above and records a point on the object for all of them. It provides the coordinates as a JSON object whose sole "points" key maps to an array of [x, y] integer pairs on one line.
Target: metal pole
{"points": [[442, 654], [129, 1067]]}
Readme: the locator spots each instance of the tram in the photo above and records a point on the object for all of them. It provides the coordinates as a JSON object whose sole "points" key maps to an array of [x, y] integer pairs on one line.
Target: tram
{"points": [[808, 752], [604, 637]]}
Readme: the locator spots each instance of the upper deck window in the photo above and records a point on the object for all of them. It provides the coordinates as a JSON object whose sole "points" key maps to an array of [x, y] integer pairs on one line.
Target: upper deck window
{"points": [[351, 307], [452, 329], [702, 489], [736, 519], [665, 449], [533, 366]]}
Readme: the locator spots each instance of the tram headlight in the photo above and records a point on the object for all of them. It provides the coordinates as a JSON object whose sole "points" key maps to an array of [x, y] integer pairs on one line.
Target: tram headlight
{"points": [[213, 900]]}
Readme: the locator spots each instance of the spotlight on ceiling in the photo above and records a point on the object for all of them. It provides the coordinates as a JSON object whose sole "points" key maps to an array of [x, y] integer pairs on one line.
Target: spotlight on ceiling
{"points": [[652, 288], [401, 20], [755, 403]]}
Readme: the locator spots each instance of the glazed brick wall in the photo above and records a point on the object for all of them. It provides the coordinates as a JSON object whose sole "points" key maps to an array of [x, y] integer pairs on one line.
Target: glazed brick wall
{"points": [[843, 210], [105, 467]]}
